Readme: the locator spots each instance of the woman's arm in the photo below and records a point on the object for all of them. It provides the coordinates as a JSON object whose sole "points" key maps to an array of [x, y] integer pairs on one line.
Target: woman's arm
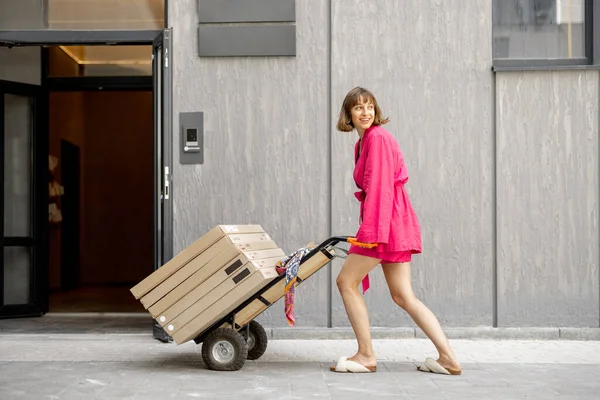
{"points": [[378, 184]]}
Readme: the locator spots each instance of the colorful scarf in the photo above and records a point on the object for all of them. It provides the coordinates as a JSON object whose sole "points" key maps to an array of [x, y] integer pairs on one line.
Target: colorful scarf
{"points": [[290, 264]]}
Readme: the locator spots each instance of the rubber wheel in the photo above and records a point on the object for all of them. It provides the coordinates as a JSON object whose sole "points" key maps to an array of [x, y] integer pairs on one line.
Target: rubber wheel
{"points": [[224, 350], [257, 342]]}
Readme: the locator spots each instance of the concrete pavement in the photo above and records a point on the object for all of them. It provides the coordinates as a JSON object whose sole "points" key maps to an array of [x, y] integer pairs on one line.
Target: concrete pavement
{"points": [[76, 363]]}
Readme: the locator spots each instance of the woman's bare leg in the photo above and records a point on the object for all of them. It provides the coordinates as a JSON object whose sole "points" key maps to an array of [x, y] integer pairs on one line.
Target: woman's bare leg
{"points": [[398, 279], [354, 270]]}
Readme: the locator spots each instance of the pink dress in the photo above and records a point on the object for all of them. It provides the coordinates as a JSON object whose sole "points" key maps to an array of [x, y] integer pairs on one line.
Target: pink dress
{"points": [[386, 214]]}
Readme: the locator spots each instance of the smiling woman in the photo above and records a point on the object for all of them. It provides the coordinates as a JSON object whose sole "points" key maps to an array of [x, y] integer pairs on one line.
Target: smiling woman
{"points": [[390, 225], [357, 101]]}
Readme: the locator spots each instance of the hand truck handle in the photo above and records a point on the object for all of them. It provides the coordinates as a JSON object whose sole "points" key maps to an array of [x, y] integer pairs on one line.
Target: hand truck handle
{"points": [[353, 241], [336, 239]]}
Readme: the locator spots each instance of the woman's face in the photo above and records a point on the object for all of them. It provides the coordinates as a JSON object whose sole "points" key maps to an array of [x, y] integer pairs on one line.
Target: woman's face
{"points": [[363, 115]]}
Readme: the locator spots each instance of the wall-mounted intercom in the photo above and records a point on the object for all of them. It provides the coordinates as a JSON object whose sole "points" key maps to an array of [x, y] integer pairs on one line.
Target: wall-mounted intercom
{"points": [[191, 126]]}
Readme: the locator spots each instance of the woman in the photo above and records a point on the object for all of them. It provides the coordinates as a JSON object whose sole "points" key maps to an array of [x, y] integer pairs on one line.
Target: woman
{"points": [[389, 223]]}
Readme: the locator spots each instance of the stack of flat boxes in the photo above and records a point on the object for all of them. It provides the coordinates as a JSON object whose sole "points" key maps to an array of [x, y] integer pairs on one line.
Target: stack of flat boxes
{"points": [[209, 279]]}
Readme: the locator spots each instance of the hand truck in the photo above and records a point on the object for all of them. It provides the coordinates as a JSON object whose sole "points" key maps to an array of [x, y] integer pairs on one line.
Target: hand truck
{"points": [[236, 337]]}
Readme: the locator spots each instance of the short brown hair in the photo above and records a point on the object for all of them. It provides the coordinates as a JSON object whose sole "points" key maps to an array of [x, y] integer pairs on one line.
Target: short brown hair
{"points": [[354, 97]]}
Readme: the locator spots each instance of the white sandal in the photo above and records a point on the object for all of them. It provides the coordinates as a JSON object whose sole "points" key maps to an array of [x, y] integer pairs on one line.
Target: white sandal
{"points": [[435, 367], [345, 365]]}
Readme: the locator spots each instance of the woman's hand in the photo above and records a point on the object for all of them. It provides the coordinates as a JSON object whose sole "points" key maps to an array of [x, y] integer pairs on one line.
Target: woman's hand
{"points": [[355, 242]]}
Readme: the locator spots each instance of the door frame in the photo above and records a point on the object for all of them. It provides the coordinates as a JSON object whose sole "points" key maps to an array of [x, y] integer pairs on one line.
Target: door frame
{"points": [[56, 37], [37, 241], [163, 160]]}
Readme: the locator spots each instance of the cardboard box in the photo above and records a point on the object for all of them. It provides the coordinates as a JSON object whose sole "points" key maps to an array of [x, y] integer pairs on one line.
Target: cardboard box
{"points": [[220, 301], [193, 281], [277, 291], [237, 243], [210, 276], [188, 254], [214, 276]]}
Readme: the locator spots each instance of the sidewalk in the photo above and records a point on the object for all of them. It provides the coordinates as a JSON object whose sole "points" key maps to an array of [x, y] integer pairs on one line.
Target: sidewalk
{"points": [[63, 365]]}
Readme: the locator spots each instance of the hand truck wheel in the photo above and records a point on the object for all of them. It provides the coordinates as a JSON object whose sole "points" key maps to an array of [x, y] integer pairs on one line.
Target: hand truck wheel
{"points": [[256, 337], [224, 350]]}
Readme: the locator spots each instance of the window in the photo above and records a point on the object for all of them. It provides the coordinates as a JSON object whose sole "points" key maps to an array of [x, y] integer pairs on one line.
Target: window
{"points": [[542, 32]]}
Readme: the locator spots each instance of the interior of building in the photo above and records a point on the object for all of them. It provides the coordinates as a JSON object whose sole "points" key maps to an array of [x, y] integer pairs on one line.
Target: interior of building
{"points": [[101, 181]]}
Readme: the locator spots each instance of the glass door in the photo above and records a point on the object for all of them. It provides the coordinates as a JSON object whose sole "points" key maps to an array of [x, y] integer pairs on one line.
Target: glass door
{"points": [[24, 200], [163, 211], [24, 208], [163, 110]]}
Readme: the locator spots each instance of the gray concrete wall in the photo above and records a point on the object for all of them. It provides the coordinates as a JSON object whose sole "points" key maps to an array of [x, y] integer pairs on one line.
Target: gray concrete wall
{"points": [[547, 165], [23, 14], [499, 214], [437, 92], [266, 144]]}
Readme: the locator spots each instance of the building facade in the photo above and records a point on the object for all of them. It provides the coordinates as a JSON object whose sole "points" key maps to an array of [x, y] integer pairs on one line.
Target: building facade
{"points": [[495, 105]]}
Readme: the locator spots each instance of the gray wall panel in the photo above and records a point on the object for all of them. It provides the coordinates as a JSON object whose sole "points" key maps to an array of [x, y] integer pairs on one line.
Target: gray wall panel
{"points": [[266, 138], [269, 145], [429, 65], [22, 14], [248, 40], [211, 11], [547, 127]]}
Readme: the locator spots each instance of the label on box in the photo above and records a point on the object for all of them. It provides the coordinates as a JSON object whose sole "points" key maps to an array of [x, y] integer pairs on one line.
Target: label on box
{"points": [[250, 238]]}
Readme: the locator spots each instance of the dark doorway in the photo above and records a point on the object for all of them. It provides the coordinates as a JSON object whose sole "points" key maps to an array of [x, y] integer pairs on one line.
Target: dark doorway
{"points": [[103, 143], [69, 241]]}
